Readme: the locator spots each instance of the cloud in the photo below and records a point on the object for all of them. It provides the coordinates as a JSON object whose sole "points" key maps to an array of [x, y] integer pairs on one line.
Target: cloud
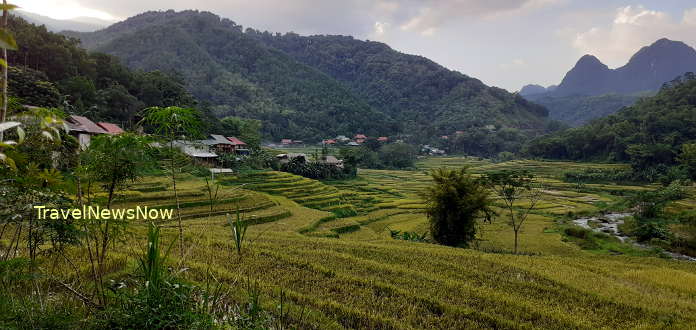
{"points": [[515, 64], [431, 15], [632, 28]]}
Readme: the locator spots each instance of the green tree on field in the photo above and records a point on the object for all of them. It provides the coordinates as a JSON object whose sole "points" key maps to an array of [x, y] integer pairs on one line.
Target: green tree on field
{"points": [[170, 124], [248, 130], [513, 187], [455, 202]]}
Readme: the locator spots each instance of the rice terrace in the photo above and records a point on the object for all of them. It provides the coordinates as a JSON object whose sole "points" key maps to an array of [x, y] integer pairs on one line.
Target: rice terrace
{"points": [[173, 169]]}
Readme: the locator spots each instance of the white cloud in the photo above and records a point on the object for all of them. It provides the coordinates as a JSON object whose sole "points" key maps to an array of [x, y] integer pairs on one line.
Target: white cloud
{"points": [[632, 28], [62, 9]]}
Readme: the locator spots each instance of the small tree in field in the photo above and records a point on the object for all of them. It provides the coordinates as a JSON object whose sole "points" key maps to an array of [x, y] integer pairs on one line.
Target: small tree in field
{"points": [[513, 187], [172, 123], [455, 202]]}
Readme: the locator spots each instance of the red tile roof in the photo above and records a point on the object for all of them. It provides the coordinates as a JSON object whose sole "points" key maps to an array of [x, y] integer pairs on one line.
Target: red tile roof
{"points": [[360, 136], [382, 139], [330, 141], [235, 141], [110, 128], [359, 140], [83, 124], [286, 141]]}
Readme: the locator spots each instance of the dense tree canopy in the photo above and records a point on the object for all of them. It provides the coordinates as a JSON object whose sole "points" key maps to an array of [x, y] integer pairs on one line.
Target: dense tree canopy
{"points": [[649, 134]]}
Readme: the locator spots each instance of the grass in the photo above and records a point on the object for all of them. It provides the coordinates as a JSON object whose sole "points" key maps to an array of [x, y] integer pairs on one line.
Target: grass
{"points": [[348, 273]]}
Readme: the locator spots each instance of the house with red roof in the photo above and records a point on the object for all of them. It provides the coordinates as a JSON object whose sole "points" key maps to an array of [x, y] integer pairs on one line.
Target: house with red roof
{"points": [[83, 129], [329, 141], [238, 145], [110, 128], [360, 136], [286, 141], [383, 139]]}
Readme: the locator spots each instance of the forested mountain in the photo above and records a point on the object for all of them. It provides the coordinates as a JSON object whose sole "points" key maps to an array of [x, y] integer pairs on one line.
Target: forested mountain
{"points": [[591, 89], [649, 133], [51, 70], [534, 89], [311, 87]]}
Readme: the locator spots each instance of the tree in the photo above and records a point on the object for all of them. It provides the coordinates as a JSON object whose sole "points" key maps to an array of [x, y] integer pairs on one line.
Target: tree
{"points": [[6, 42], [687, 158], [248, 130], [514, 186], [169, 124], [455, 202], [398, 155], [114, 160]]}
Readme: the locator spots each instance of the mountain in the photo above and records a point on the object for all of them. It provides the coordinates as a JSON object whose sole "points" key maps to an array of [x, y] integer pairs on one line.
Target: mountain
{"points": [[647, 70], [80, 24], [648, 133], [310, 87], [534, 89], [592, 90]]}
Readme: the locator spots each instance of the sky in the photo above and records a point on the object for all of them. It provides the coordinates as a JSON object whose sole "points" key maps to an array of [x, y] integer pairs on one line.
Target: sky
{"points": [[504, 43]]}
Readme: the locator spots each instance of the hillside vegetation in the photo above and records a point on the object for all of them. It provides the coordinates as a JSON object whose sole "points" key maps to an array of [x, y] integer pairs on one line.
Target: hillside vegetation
{"points": [[311, 87], [649, 133]]}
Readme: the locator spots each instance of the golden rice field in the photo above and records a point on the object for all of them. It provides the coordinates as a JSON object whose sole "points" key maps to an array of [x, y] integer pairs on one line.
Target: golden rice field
{"points": [[327, 246]]}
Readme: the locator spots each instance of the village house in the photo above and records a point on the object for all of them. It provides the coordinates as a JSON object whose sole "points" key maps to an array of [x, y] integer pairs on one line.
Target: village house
{"points": [[110, 128], [219, 144], [332, 160], [383, 139], [199, 152], [342, 139], [286, 141], [83, 129], [328, 142], [238, 146]]}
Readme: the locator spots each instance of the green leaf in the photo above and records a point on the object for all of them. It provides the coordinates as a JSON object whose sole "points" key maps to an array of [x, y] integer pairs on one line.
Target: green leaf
{"points": [[7, 41]]}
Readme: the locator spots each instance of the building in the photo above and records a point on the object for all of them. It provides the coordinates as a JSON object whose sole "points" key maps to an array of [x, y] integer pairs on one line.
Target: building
{"points": [[342, 139], [286, 141], [83, 129], [329, 142], [238, 146], [360, 136], [219, 144], [360, 141], [110, 128], [353, 144], [383, 139], [445, 137], [331, 160], [199, 152]]}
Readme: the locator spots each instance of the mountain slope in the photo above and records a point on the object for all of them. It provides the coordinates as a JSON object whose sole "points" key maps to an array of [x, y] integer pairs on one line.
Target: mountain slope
{"points": [[238, 75], [647, 70], [651, 131], [592, 90], [310, 87], [408, 87]]}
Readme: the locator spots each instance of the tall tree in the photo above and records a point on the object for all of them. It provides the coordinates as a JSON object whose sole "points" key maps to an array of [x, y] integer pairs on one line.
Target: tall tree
{"points": [[6, 42], [455, 202], [172, 123], [513, 187]]}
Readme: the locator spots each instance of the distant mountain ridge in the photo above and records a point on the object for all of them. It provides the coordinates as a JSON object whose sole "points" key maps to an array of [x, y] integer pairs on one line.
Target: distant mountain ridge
{"points": [[592, 90], [310, 87], [79, 24], [647, 70]]}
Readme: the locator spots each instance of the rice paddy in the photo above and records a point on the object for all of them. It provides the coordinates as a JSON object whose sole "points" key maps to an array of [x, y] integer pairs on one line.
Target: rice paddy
{"points": [[327, 246]]}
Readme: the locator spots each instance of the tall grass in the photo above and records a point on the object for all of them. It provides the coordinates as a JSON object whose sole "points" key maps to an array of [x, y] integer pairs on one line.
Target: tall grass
{"points": [[239, 229]]}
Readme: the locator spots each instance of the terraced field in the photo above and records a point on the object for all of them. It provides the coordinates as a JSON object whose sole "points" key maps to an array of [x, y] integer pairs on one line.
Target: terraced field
{"points": [[344, 269]]}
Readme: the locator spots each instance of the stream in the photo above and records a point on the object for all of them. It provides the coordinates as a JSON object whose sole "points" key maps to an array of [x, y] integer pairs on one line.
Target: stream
{"points": [[609, 224]]}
